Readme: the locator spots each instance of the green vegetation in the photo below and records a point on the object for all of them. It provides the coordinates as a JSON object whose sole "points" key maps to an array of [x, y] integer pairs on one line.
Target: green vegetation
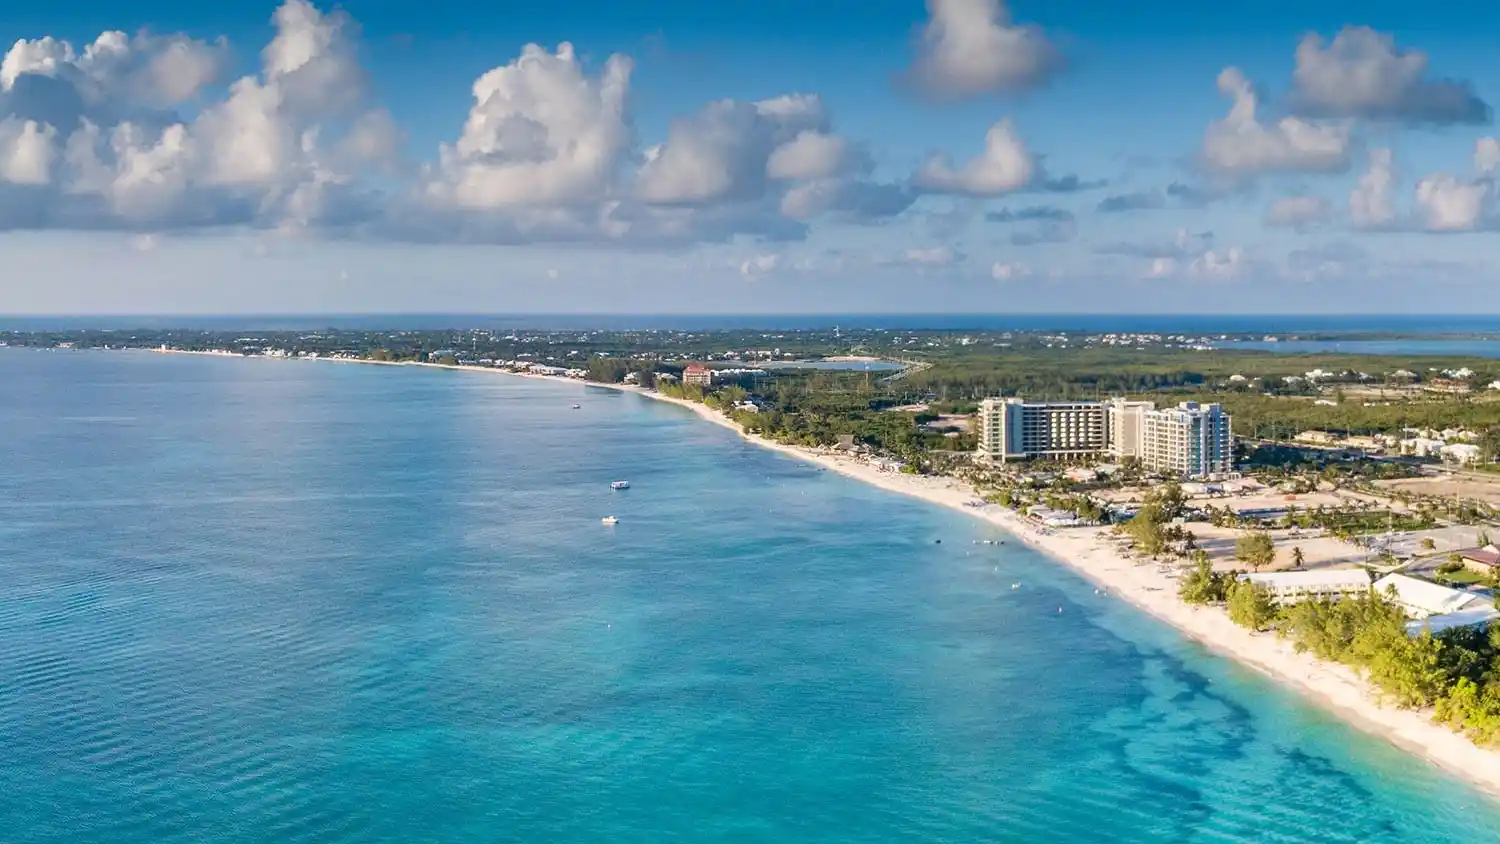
{"points": [[1456, 672], [1462, 577], [1151, 529], [1471, 709], [1278, 417], [1203, 585], [810, 411], [1345, 522], [1368, 632], [1250, 604], [1255, 549]]}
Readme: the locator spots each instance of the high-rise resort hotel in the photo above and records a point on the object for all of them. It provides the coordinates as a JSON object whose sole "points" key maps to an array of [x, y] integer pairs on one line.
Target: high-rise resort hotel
{"points": [[1190, 440]]}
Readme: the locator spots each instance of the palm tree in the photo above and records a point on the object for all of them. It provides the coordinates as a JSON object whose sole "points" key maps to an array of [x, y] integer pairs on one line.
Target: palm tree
{"points": [[1297, 557]]}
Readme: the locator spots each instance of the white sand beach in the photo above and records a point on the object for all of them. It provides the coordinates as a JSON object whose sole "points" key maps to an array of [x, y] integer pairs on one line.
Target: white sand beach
{"points": [[1090, 552]]}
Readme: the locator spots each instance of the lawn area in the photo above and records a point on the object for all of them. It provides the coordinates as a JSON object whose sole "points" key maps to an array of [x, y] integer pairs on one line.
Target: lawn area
{"points": [[1463, 578]]}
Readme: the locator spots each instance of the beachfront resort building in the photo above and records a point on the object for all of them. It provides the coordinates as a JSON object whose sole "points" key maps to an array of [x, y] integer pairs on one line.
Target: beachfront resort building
{"points": [[1126, 420], [1289, 587], [1012, 429], [1190, 440], [1428, 606], [696, 375]]}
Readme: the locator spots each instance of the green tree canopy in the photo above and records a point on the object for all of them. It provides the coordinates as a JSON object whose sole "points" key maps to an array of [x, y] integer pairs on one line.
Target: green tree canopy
{"points": [[1255, 549], [1250, 605], [1203, 585]]}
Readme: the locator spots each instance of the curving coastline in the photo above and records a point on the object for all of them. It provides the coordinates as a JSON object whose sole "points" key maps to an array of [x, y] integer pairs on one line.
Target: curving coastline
{"points": [[1089, 552]]}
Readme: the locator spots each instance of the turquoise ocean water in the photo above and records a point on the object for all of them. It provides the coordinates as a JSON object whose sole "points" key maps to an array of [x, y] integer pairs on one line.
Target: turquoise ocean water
{"points": [[258, 601]]}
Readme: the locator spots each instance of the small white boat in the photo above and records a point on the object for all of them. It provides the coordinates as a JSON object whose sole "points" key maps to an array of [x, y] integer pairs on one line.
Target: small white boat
{"points": [[609, 520], [577, 406], [619, 485]]}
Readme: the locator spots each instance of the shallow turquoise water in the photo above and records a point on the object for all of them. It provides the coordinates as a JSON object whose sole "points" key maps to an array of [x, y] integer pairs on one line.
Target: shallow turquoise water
{"points": [[257, 601]]}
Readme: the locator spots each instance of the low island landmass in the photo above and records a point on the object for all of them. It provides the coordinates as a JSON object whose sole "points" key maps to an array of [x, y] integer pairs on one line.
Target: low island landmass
{"points": [[1325, 517]]}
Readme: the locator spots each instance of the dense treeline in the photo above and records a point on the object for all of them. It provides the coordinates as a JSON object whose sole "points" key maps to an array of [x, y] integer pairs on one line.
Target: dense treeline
{"points": [[957, 369], [1283, 418], [1071, 373], [797, 412], [1456, 672]]}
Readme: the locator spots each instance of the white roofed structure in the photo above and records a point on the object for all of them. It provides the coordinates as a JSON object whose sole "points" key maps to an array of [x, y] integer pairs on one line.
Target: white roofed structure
{"points": [[1473, 617], [1292, 586], [1421, 598]]}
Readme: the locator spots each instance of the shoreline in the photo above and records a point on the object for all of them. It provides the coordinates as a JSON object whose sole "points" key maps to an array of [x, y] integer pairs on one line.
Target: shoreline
{"points": [[1088, 552]]}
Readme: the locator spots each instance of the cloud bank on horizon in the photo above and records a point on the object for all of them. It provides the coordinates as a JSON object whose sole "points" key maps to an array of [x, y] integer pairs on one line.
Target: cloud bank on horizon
{"points": [[153, 136]]}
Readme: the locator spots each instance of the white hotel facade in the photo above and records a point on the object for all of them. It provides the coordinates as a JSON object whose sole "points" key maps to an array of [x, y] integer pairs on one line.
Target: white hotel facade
{"points": [[1190, 440]]}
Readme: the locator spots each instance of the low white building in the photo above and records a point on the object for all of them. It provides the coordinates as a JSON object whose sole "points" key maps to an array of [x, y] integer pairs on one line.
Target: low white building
{"points": [[1421, 446], [1476, 617], [1436, 608], [1461, 453], [1422, 598], [1289, 587]]}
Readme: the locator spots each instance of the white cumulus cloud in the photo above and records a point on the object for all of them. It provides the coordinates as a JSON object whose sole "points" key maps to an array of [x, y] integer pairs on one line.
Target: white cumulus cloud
{"points": [[540, 132], [971, 47], [725, 151], [1241, 143], [1487, 154], [1002, 271], [141, 133], [1187, 255], [1004, 166], [116, 70], [26, 152], [1450, 204], [1162, 268], [1224, 263], [114, 158], [760, 264], [809, 155], [1361, 73], [1372, 203]]}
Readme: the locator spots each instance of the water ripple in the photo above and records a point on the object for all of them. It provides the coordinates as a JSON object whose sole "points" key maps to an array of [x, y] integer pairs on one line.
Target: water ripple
{"points": [[341, 604]]}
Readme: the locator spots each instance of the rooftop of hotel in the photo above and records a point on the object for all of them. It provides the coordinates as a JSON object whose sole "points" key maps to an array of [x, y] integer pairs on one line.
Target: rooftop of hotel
{"points": [[1312, 579]]}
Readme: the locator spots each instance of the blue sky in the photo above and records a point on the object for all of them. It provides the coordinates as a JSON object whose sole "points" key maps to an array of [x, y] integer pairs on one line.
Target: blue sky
{"points": [[880, 156]]}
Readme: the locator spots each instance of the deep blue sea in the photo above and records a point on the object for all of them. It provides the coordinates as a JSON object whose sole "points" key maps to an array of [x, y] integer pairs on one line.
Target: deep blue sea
{"points": [[1416, 324], [280, 601]]}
